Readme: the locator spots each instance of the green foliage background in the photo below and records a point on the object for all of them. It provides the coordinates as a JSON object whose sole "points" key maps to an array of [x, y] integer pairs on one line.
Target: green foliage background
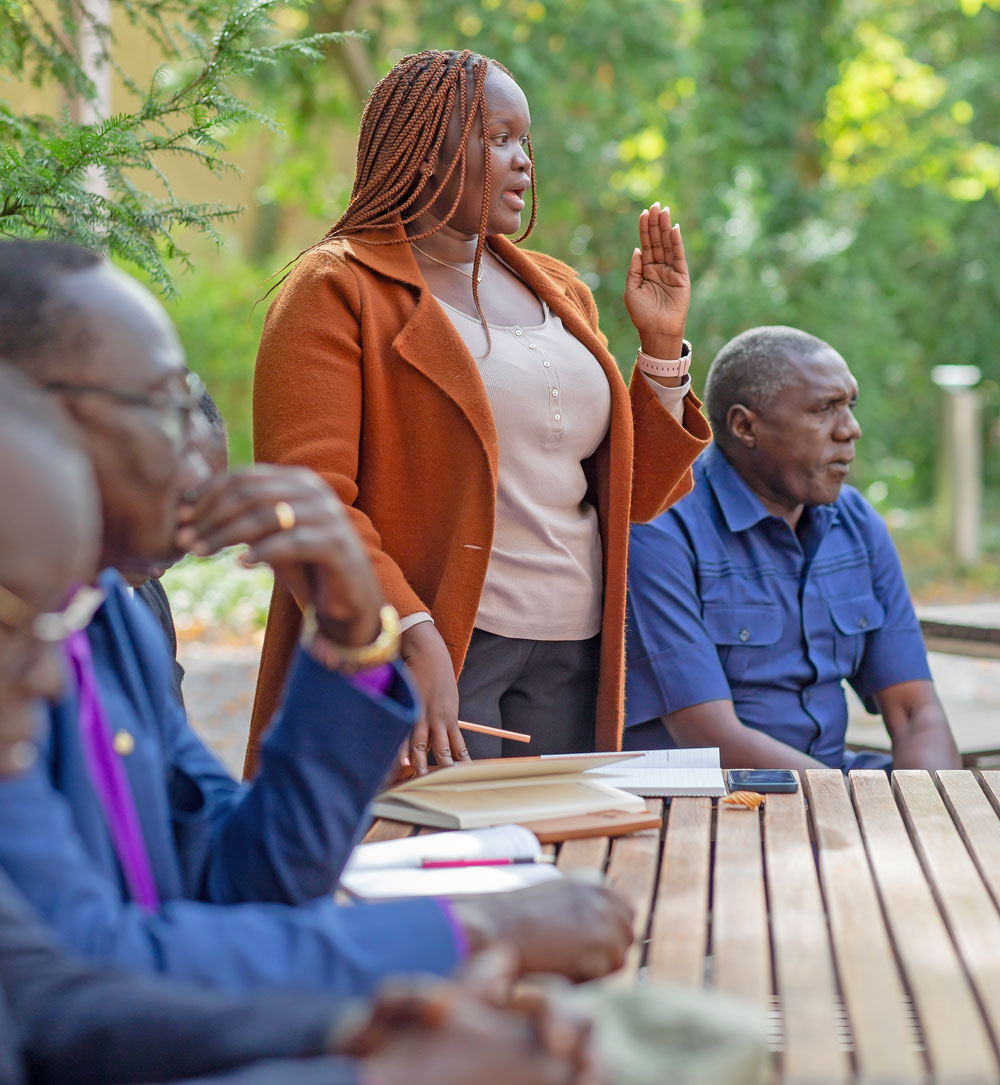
{"points": [[835, 165]]}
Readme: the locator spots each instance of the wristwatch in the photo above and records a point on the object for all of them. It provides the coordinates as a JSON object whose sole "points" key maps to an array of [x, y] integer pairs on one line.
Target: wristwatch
{"points": [[344, 658], [660, 367]]}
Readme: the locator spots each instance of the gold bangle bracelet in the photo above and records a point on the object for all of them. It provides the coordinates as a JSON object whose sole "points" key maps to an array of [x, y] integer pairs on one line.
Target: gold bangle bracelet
{"points": [[342, 657]]}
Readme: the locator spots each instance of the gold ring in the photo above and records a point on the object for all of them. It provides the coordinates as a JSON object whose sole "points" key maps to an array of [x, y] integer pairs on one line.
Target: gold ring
{"points": [[285, 514]]}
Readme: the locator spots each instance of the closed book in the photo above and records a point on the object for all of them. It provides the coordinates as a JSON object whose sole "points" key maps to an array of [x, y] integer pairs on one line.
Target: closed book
{"points": [[502, 790]]}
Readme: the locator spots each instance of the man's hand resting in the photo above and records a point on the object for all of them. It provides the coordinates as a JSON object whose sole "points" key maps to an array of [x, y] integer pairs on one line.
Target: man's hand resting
{"points": [[577, 930]]}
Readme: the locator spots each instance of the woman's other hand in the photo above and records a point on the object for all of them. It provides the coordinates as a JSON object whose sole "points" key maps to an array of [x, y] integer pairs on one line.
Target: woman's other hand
{"points": [[424, 652], [658, 286]]}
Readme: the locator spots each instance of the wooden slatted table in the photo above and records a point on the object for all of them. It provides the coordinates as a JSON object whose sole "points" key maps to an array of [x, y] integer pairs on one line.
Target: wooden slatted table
{"points": [[863, 916]]}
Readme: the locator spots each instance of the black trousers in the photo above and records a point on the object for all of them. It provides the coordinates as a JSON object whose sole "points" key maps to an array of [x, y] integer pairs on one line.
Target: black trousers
{"points": [[546, 688]]}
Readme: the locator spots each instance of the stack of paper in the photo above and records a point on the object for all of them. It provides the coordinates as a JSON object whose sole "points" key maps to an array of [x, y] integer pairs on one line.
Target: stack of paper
{"points": [[665, 773], [396, 868]]}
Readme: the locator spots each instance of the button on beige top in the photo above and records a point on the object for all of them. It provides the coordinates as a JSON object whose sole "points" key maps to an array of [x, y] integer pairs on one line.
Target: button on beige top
{"points": [[552, 406]]}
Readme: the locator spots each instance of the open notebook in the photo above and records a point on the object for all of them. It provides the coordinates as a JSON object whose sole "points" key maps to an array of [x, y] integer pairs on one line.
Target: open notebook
{"points": [[394, 868], [472, 794], [664, 773]]}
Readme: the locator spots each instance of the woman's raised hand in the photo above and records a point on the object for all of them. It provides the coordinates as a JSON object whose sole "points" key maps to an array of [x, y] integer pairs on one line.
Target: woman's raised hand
{"points": [[658, 286]]}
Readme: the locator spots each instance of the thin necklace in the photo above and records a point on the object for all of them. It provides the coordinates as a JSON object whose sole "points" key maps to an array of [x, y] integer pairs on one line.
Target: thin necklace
{"points": [[443, 263]]}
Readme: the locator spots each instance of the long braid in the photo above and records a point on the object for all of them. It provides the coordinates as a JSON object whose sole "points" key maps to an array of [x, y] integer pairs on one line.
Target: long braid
{"points": [[403, 129]]}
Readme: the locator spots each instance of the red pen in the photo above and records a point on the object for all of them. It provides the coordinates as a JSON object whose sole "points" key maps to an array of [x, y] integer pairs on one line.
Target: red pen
{"points": [[448, 864]]}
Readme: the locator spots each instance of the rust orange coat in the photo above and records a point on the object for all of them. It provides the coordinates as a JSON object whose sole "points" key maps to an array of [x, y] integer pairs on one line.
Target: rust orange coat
{"points": [[362, 377]]}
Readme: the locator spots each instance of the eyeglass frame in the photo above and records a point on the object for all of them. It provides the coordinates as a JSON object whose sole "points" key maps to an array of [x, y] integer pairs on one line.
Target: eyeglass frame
{"points": [[51, 627], [186, 404]]}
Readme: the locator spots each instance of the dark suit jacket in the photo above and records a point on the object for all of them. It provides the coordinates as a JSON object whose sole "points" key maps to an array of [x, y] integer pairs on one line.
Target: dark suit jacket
{"points": [[245, 873], [62, 1020], [154, 595]]}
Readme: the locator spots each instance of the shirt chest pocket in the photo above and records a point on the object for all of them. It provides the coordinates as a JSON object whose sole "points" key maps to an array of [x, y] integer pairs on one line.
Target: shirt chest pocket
{"points": [[853, 617], [744, 634]]}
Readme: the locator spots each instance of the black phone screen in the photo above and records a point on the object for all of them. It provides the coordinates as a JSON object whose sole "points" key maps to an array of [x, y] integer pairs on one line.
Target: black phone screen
{"points": [[762, 780]]}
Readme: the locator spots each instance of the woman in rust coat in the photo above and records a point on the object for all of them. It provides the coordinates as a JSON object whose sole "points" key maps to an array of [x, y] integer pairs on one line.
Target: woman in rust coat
{"points": [[456, 392]]}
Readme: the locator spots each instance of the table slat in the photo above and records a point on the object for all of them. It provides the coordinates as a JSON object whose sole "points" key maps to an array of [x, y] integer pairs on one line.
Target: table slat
{"points": [[954, 1034], [679, 932], [803, 966], [964, 900], [741, 949], [977, 821], [869, 979], [632, 874], [590, 853], [384, 829]]}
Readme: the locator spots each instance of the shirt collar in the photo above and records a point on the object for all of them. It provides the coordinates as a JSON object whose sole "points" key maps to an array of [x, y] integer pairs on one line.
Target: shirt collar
{"points": [[741, 507]]}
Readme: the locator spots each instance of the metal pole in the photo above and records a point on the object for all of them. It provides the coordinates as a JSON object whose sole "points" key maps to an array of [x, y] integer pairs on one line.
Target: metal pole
{"points": [[962, 453]]}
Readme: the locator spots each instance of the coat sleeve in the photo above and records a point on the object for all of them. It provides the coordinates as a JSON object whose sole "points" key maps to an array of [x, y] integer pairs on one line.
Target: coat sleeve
{"points": [[343, 950], [79, 1022], [663, 449], [308, 399]]}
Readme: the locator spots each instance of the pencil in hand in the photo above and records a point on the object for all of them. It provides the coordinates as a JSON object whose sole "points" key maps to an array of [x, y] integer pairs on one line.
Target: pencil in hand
{"points": [[497, 732]]}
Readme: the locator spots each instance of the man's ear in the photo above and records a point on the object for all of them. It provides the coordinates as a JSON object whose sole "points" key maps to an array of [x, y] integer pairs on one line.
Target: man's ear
{"points": [[741, 422]]}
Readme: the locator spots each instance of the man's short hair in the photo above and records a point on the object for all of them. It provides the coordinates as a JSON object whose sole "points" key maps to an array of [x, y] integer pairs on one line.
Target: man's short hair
{"points": [[753, 368], [37, 324]]}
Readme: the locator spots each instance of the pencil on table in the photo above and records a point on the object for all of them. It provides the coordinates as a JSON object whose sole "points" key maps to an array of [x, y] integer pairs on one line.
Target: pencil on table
{"points": [[497, 732]]}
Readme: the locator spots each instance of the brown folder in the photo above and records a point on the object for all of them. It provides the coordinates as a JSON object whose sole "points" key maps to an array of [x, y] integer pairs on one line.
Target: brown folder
{"points": [[599, 823]]}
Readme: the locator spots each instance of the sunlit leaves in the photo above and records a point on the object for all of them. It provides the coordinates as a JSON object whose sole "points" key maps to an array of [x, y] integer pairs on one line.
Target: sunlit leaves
{"points": [[187, 107]]}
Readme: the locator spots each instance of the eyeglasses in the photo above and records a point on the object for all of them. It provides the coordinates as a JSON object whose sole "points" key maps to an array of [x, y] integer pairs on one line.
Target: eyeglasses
{"points": [[176, 407], [54, 626]]}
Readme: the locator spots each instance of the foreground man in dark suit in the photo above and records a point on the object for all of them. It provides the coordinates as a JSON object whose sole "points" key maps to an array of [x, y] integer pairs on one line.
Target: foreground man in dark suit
{"points": [[224, 884], [63, 1020]]}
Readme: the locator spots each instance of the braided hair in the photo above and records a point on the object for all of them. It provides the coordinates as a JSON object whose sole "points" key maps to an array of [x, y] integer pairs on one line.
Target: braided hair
{"points": [[403, 130]]}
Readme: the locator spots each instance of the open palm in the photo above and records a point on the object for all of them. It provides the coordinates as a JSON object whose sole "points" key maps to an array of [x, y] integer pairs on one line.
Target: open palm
{"points": [[658, 286]]}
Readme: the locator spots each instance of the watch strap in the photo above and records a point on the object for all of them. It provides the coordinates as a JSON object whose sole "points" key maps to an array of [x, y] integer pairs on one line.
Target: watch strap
{"points": [[662, 367]]}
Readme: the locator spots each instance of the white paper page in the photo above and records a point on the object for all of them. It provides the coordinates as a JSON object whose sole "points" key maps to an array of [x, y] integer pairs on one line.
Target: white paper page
{"points": [[500, 842], [458, 881], [500, 804], [674, 772]]}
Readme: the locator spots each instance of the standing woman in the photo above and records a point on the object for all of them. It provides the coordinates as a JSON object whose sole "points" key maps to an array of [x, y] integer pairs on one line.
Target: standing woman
{"points": [[457, 393]]}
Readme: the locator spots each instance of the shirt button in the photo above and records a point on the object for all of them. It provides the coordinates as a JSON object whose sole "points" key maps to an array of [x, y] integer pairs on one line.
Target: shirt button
{"points": [[546, 364], [517, 331], [555, 391], [123, 743], [558, 417], [744, 635], [531, 346], [862, 622]]}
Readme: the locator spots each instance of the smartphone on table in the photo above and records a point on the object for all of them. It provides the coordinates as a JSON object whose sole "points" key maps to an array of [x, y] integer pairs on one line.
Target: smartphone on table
{"points": [[763, 781]]}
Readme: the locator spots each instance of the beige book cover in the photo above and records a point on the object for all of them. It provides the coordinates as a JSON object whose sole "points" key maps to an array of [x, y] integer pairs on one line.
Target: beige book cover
{"points": [[506, 789]]}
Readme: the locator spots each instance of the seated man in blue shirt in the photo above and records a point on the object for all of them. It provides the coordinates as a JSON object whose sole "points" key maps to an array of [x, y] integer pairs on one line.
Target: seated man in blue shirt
{"points": [[196, 875], [754, 596]]}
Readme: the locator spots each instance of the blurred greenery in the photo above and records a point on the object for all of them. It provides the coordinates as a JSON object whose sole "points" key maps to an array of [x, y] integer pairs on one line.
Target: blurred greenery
{"points": [[216, 597], [835, 165]]}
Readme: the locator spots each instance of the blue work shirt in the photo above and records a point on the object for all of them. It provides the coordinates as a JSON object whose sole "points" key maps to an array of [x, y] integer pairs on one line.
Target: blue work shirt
{"points": [[727, 602]]}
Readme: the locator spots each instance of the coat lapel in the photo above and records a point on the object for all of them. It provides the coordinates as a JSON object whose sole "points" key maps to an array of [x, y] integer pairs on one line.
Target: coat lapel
{"points": [[428, 340]]}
